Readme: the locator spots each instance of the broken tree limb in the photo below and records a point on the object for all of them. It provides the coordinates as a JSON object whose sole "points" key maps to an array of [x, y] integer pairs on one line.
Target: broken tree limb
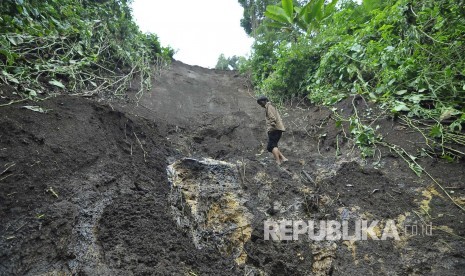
{"points": [[7, 169], [310, 179]]}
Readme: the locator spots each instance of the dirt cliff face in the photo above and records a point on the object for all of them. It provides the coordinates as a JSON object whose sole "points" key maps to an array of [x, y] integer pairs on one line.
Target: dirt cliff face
{"points": [[180, 183]]}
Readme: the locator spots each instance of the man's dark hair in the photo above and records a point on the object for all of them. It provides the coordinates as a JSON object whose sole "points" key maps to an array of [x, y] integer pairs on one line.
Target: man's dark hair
{"points": [[262, 99]]}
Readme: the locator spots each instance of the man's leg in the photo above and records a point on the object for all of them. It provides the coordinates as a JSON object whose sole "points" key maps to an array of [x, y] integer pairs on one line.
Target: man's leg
{"points": [[276, 153], [281, 156]]}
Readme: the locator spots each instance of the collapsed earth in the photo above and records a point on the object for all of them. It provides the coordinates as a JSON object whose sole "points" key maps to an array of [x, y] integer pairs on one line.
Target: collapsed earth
{"points": [[336, 148], [179, 182]]}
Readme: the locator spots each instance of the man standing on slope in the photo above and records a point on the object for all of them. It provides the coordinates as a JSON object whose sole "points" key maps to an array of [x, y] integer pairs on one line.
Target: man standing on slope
{"points": [[274, 127]]}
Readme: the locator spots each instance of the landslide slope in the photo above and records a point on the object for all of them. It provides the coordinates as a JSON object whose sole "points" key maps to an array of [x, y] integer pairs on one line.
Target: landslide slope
{"points": [[179, 183]]}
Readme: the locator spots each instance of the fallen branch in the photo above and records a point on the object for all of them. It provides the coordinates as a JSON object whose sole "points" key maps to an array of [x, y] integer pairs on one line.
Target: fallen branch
{"points": [[13, 102], [310, 179], [7, 169], [401, 152], [50, 190], [140, 144], [5, 177]]}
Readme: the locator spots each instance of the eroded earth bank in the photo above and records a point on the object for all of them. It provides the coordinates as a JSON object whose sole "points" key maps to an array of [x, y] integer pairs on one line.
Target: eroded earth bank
{"points": [[180, 183]]}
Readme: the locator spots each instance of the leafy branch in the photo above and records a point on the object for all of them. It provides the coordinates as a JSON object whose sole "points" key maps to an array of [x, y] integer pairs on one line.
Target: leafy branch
{"points": [[76, 47]]}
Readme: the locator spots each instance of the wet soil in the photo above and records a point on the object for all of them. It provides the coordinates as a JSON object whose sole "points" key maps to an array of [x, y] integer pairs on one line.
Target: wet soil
{"points": [[180, 183]]}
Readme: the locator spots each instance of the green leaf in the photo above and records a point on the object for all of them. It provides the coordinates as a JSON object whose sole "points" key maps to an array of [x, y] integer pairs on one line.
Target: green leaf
{"points": [[314, 10], [302, 11], [10, 59], [277, 13], [330, 8], [389, 48], [436, 131], [15, 40], [401, 92], [385, 27], [400, 106], [288, 7], [448, 112], [318, 10], [302, 24], [448, 158], [356, 48], [10, 78], [57, 83], [416, 98], [415, 168], [456, 126], [32, 93]]}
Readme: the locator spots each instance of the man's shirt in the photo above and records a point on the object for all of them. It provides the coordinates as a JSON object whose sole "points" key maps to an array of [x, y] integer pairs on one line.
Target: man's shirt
{"points": [[273, 120]]}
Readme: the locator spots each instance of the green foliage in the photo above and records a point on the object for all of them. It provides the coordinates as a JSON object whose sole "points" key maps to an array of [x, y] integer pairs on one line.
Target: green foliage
{"points": [[230, 63], [405, 58], [77, 46], [293, 63], [405, 55], [363, 135], [262, 60], [296, 19]]}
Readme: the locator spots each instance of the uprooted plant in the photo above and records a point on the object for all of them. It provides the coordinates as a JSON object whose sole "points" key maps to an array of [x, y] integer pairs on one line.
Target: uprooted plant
{"points": [[86, 47]]}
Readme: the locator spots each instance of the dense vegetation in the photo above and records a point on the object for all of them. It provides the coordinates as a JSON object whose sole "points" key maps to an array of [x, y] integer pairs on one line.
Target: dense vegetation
{"points": [[405, 55], [78, 46]]}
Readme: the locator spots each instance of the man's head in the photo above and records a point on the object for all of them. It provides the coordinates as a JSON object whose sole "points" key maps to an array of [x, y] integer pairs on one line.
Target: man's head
{"points": [[262, 100]]}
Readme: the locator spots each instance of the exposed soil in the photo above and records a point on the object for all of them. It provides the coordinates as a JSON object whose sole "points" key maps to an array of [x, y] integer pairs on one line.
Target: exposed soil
{"points": [[180, 183]]}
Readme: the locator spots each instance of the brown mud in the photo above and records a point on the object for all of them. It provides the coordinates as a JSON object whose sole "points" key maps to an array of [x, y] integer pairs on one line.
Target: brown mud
{"points": [[180, 183]]}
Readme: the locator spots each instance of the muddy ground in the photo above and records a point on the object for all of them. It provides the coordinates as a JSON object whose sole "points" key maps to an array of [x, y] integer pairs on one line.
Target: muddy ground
{"points": [[179, 183]]}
